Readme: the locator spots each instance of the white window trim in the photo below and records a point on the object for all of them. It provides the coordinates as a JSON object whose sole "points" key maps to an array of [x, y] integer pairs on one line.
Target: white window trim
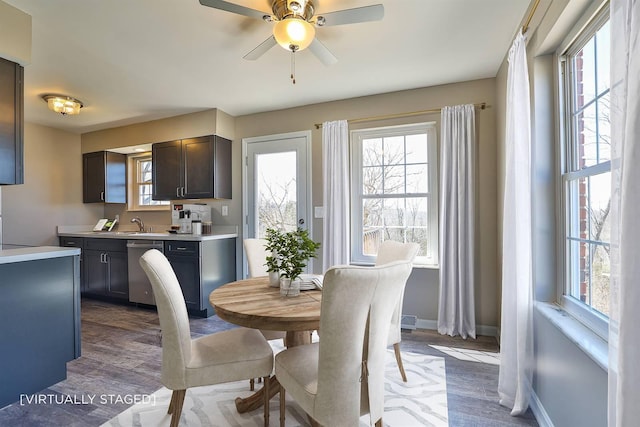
{"points": [[356, 137], [132, 185]]}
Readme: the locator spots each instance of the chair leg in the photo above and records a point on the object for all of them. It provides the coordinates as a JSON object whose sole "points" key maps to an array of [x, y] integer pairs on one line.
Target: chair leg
{"points": [[266, 401], [175, 407], [282, 405], [252, 384], [396, 348]]}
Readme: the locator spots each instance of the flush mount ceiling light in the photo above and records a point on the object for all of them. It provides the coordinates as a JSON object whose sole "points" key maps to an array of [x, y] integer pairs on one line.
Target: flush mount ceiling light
{"points": [[63, 104]]}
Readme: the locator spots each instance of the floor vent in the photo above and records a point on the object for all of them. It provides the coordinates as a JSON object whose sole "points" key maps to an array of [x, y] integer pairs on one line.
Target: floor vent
{"points": [[408, 322]]}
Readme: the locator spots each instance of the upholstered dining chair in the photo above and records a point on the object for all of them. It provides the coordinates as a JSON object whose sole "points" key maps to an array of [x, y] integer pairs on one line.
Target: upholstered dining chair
{"points": [[256, 260], [341, 377], [390, 251], [233, 355]]}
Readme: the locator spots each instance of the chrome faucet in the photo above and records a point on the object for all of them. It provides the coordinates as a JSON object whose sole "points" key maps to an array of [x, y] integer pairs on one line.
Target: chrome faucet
{"points": [[138, 221]]}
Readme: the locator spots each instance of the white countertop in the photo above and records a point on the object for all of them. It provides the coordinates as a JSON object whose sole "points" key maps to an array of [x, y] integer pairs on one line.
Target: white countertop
{"points": [[8, 256], [217, 232]]}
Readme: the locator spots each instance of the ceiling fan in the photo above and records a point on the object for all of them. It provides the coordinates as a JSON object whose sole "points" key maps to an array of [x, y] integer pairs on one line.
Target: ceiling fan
{"points": [[295, 23]]}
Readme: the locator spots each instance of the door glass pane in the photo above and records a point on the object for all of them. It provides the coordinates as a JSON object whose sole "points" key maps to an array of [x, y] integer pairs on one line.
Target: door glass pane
{"points": [[276, 189]]}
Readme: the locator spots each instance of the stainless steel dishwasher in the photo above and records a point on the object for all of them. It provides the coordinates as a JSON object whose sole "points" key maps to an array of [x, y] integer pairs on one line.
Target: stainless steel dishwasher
{"points": [[139, 286]]}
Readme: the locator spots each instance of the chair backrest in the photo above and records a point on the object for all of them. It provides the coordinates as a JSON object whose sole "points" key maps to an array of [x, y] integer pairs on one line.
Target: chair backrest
{"points": [[256, 256], [357, 305], [174, 319], [390, 251]]}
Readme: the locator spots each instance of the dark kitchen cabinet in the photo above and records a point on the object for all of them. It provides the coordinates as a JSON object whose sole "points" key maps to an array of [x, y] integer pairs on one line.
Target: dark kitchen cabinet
{"points": [[104, 177], [106, 268], [11, 122], [201, 267], [193, 168], [184, 257]]}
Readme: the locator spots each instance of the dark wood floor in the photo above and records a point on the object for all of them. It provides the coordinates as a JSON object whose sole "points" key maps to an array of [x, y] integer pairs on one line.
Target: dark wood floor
{"points": [[121, 357]]}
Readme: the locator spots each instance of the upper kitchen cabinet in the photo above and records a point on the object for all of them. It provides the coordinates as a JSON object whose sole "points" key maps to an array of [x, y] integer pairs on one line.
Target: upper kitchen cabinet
{"points": [[104, 177], [194, 168], [11, 122]]}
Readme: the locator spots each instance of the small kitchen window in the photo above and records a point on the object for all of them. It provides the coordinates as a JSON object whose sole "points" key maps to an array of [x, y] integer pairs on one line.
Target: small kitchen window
{"points": [[141, 185]]}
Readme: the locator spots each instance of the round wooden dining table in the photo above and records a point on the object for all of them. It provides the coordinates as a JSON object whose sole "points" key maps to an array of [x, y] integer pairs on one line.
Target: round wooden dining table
{"points": [[252, 303]]}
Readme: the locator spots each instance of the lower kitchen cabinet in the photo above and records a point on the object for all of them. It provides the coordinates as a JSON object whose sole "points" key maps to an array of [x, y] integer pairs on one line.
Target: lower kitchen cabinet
{"points": [[201, 267], [106, 268]]}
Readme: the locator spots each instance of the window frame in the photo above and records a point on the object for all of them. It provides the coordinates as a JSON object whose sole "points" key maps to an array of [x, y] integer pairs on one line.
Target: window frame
{"points": [[356, 179], [570, 171], [133, 161]]}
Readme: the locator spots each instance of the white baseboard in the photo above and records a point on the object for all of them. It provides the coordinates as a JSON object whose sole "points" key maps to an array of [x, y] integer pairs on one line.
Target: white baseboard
{"points": [[491, 331], [539, 412]]}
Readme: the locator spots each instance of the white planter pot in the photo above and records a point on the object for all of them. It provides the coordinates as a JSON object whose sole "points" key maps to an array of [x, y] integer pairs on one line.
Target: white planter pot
{"points": [[274, 279]]}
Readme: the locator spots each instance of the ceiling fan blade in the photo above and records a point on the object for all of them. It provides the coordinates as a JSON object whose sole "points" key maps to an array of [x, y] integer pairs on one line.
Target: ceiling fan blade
{"points": [[352, 16], [261, 49], [234, 8], [322, 53]]}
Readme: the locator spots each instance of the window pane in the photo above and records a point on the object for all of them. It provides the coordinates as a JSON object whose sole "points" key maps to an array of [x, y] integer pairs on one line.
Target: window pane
{"points": [[597, 204], [417, 212], [417, 179], [394, 150], [372, 152], [417, 148], [372, 180], [372, 212], [145, 193], [419, 236], [371, 239], [603, 43], [393, 179], [587, 140], [585, 78], [600, 275], [604, 130], [394, 213]]}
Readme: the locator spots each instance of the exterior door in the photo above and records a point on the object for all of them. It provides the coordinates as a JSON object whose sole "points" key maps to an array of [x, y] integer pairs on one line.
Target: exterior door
{"points": [[277, 180]]}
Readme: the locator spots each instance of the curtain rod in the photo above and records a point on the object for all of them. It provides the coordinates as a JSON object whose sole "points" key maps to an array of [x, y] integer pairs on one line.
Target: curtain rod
{"points": [[525, 27], [481, 105]]}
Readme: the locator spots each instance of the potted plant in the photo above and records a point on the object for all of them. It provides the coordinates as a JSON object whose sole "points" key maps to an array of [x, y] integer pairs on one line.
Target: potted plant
{"points": [[290, 253]]}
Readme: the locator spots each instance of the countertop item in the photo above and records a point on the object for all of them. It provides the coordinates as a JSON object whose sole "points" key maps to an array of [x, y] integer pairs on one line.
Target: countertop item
{"points": [[219, 232]]}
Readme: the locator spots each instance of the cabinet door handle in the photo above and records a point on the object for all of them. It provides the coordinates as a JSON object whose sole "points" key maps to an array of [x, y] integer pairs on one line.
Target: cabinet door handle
{"points": [[181, 248], [101, 258], [102, 195], [177, 191], [182, 192]]}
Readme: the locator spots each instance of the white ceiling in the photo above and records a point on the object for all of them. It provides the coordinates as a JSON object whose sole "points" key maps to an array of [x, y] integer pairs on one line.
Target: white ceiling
{"points": [[137, 60]]}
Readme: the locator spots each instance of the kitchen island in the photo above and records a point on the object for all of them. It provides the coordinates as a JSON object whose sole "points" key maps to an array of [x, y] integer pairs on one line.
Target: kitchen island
{"points": [[39, 318]]}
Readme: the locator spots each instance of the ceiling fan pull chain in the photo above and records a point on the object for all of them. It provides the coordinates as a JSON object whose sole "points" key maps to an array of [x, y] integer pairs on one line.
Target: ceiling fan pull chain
{"points": [[293, 66]]}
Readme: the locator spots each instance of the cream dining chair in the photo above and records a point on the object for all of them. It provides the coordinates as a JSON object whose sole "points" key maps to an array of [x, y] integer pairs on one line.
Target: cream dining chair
{"points": [[233, 355], [341, 377], [256, 260], [390, 251]]}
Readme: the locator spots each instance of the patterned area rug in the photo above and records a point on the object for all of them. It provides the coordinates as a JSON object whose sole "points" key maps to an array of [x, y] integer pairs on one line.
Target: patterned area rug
{"points": [[422, 401]]}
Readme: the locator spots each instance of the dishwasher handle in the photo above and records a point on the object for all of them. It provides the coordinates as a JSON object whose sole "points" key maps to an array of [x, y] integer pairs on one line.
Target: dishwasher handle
{"points": [[137, 244]]}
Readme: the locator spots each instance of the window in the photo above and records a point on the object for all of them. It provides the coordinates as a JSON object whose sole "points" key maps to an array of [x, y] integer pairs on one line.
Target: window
{"points": [[586, 175], [394, 190], [141, 187]]}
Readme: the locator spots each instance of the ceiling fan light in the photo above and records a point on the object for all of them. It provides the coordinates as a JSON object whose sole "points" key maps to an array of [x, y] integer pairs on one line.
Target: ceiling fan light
{"points": [[294, 31]]}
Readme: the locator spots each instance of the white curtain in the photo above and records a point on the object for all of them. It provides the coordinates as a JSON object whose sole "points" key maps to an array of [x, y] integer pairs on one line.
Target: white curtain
{"points": [[335, 173], [516, 334], [624, 314], [456, 311]]}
